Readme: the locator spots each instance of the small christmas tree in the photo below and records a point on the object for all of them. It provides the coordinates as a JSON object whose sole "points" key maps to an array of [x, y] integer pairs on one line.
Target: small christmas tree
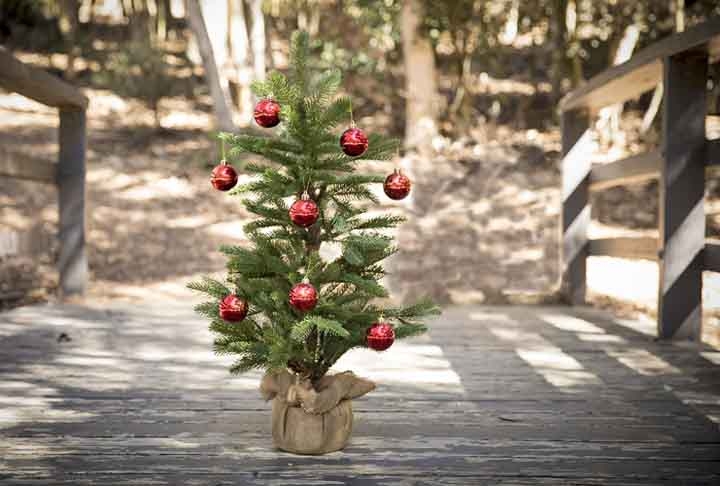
{"points": [[283, 307]]}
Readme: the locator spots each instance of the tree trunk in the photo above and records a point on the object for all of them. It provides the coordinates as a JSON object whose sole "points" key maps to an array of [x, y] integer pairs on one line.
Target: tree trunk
{"points": [[257, 38], [559, 37], [678, 7], [571, 19], [421, 102], [220, 96], [239, 47], [69, 20], [510, 30], [609, 117]]}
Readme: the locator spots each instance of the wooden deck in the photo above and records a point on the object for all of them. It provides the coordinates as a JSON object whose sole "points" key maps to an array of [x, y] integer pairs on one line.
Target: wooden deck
{"points": [[521, 396]]}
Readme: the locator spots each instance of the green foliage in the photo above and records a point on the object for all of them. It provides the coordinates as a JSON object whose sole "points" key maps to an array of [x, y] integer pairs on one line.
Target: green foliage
{"points": [[304, 156]]}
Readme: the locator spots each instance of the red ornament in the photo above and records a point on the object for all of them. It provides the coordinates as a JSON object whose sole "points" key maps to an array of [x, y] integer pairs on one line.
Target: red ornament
{"points": [[303, 297], [224, 177], [353, 142], [380, 336], [267, 113], [304, 212], [397, 185], [233, 308]]}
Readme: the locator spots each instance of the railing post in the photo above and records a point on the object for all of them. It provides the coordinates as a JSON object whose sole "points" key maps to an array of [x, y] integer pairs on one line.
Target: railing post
{"points": [[72, 261], [576, 166], [682, 188]]}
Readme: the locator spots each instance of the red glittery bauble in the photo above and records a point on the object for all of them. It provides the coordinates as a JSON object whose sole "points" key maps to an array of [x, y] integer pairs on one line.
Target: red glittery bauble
{"points": [[353, 142], [380, 336], [304, 212], [224, 177], [303, 297], [233, 308], [397, 185], [267, 113]]}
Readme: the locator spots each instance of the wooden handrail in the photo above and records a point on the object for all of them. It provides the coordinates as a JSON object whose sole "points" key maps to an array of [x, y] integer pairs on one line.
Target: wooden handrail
{"points": [[69, 172], [631, 170], [625, 247], [711, 256], [37, 84], [644, 70], [680, 62], [713, 152]]}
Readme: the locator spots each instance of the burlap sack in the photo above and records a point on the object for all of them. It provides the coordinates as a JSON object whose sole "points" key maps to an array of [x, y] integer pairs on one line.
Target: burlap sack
{"points": [[312, 420]]}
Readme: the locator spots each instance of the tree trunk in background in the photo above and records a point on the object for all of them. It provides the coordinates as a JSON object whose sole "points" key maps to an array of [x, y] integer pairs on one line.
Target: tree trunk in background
{"points": [[609, 117], [239, 46], [510, 29], [69, 20], [421, 102], [559, 37], [678, 7], [161, 20], [571, 20], [215, 14], [257, 38], [220, 96]]}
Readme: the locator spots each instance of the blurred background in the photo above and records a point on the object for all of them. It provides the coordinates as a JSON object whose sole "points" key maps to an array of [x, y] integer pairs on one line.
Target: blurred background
{"points": [[471, 86]]}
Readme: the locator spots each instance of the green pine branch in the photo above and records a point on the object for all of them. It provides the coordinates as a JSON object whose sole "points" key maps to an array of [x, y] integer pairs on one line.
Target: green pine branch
{"points": [[303, 153]]}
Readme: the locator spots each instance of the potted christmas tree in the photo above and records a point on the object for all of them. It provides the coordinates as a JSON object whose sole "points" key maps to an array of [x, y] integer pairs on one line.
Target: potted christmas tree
{"points": [[284, 307]]}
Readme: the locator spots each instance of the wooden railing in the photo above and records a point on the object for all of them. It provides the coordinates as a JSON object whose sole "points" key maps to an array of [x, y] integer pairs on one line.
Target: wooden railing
{"points": [[68, 173], [680, 63]]}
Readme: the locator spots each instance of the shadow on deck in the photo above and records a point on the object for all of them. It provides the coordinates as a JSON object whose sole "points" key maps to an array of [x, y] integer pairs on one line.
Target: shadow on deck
{"points": [[494, 395]]}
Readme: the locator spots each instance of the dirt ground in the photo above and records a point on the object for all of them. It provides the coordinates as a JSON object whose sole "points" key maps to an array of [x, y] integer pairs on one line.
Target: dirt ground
{"points": [[483, 214]]}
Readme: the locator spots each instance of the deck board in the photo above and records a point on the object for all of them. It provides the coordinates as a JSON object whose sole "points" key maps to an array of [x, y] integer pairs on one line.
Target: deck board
{"points": [[493, 395]]}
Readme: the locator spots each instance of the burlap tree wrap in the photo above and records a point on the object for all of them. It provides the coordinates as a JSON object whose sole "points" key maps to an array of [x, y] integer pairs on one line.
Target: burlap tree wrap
{"points": [[309, 419]]}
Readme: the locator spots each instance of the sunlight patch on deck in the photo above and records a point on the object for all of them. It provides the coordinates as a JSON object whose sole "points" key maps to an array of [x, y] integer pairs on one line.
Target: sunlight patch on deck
{"points": [[556, 367], [570, 323], [415, 364], [643, 362], [643, 325], [601, 338], [491, 316]]}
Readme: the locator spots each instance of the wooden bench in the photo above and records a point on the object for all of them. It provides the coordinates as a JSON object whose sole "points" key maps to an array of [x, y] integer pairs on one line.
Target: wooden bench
{"points": [[68, 174], [680, 62]]}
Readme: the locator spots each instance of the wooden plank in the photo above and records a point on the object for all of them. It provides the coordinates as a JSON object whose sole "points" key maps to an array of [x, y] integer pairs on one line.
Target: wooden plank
{"points": [[576, 165], [23, 167], [631, 170], [682, 191], [625, 247], [37, 84], [72, 261], [711, 256], [644, 71], [122, 404]]}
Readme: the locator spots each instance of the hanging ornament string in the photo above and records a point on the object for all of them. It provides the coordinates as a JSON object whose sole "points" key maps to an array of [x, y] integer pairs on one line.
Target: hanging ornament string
{"points": [[353, 141], [224, 176]]}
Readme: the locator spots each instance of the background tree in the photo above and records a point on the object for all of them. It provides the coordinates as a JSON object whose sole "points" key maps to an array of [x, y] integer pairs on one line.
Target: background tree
{"points": [[220, 94], [421, 94]]}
